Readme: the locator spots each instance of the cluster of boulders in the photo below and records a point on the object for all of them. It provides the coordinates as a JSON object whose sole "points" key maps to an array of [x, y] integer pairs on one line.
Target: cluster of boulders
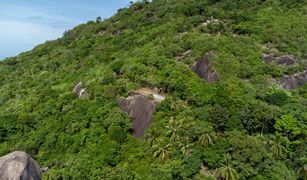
{"points": [[294, 81], [287, 81], [141, 105], [19, 166]]}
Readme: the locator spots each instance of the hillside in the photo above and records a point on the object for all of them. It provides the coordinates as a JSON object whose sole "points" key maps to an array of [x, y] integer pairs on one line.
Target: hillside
{"points": [[189, 89]]}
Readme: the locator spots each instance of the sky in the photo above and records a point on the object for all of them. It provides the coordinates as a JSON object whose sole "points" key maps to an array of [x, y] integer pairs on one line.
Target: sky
{"points": [[27, 23]]}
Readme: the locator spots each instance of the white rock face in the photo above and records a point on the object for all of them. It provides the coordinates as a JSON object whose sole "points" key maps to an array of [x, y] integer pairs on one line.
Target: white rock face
{"points": [[158, 97], [78, 90], [19, 166], [147, 92]]}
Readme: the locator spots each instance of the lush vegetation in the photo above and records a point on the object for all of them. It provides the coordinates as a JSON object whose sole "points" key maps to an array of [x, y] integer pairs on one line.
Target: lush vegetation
{"points": [[244, 126]]}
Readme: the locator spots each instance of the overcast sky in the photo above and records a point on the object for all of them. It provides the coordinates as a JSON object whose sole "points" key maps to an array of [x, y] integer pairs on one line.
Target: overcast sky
{"points": [[27, 23]]}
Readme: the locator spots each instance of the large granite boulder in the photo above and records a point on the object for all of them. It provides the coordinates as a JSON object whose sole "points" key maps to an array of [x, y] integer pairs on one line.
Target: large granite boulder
{"points": [[294, 81], [141, 109], [19, 166], [203, 69]]}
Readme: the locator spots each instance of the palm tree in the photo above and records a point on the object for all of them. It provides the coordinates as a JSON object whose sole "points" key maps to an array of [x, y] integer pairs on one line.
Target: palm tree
{"points": [[205, 177], [151, 137], [162, 151], [227, 172], [206, 140], [278, 149], [172, 133], [277, 145], [303, 172], [186, 149], [173, 130], [204, 174]]}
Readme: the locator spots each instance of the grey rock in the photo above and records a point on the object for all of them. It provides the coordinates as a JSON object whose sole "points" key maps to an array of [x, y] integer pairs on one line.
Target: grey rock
{"points": [[19, 166], [282, 60], [184, 55], [78, 90], [150, 91], [268, 58], [285, 60], [294, 81], [203, 69], [141, 109]]}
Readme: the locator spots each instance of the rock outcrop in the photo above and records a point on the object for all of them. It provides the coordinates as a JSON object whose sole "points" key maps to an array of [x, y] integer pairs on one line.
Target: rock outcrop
{"points": [[78, 90], [285, 60], [287, 81], [268, 58], [148, 92], [203, 69], [209, 21], [141, 109], [19, 166], [282, 60], [141, 106], [184, 55], [294, 81]]}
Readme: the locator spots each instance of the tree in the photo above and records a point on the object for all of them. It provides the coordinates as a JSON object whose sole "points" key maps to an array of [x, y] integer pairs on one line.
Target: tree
{"points": [[98, 19], [227, 172], [303, 172], [152, 137], [117, 133], [287, 125], [3, 134], [276, 97], [186, 149], [219, 116], [162, 150], [207, 140], [204, 174], [205, 177], [172, 130], [278, 149], [257, 116]]}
